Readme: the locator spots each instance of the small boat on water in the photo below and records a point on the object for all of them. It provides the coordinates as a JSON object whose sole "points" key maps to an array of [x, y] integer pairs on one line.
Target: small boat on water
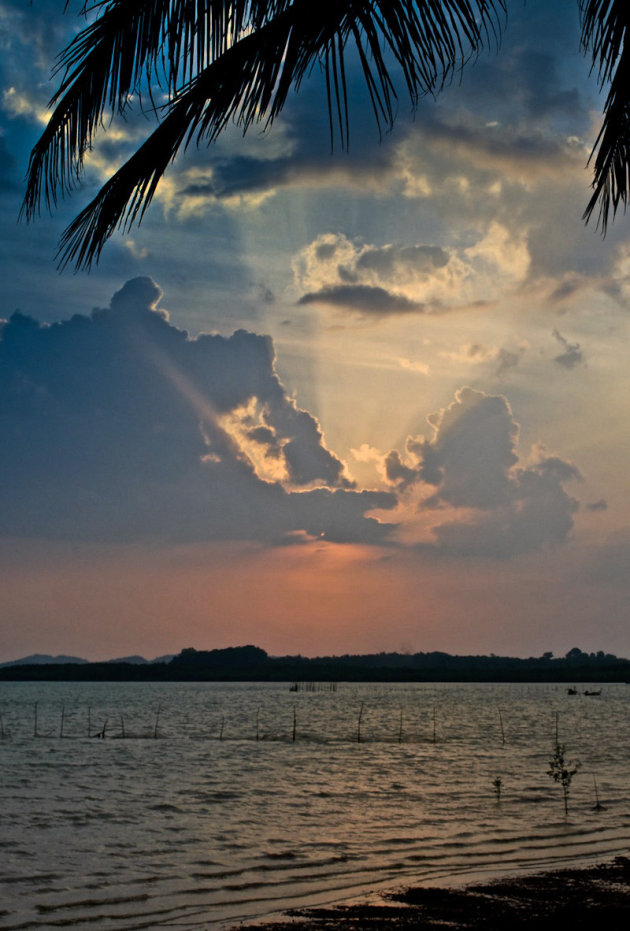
{"points": [[593, 692]]}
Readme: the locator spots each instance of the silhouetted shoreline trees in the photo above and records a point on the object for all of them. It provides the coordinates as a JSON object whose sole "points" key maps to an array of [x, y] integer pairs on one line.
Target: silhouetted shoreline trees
{"points": [[253, 664]]}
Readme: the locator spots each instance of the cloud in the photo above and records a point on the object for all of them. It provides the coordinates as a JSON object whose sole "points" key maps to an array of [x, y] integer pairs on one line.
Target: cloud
{"points": [[571, 355], [393, 278], [389, 261], [364, 299], [501, 358], [508, 359], [19, 103], [118, 426], [486, 502], [474, 447]]}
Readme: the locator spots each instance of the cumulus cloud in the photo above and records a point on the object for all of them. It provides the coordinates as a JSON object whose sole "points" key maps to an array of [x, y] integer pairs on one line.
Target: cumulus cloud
{"points": [[390, 279], [119, 426], [469, 472]]}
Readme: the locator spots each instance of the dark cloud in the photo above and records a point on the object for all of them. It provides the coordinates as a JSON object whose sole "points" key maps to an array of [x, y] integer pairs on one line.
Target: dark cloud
{"points": [[570, 285], [397, 472], [118, 426], [571, 355], [366, 299], [310, 162], [508, 359], [387, 260], [519, 148]]}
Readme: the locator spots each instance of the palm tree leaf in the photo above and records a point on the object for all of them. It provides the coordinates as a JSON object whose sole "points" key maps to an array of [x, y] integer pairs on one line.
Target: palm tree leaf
{"points": [[605, 34], [238, 63], [157, 43]]}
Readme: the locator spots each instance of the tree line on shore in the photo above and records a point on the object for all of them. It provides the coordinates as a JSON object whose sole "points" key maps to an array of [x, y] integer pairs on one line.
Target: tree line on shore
{"points": [[253, 664]]}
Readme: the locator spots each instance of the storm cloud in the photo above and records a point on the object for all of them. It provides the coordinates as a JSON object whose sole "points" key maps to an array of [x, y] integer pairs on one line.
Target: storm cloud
{"points": [[118, 426]]}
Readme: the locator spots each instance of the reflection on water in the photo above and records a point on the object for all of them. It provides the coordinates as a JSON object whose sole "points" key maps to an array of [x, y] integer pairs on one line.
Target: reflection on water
{"points": [[206, 803]]}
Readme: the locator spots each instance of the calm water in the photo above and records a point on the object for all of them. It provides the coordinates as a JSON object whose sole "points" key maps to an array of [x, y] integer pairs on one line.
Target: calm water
{"points": [[199, 808]]}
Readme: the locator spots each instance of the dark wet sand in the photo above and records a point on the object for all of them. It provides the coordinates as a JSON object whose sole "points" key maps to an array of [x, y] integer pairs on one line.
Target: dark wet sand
{"points": [[589, 899]]}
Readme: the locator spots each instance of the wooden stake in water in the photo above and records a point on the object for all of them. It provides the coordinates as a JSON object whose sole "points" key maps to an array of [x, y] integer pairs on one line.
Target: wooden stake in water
{"points": [[598, 805], [400, 727], [434, 725], [502, 731], [221, 728], [359, 724], [35, 731], [294, 723], [258, 723], [157, 721], [122, 725], [63, 715], [89, 721]]}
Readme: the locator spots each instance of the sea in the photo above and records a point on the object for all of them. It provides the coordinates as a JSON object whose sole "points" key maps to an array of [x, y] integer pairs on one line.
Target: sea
{"points": [[208, 805]]}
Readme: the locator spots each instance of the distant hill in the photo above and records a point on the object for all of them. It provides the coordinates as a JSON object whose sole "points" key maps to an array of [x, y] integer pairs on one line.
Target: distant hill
{"points": [[43, 659]]}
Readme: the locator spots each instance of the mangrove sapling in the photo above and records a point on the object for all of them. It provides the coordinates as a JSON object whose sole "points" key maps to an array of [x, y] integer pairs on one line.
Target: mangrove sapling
{"points": [[562, 772]]}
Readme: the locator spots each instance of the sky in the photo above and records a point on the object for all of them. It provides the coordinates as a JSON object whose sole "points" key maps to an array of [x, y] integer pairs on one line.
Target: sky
{"points": [[322, 401]]}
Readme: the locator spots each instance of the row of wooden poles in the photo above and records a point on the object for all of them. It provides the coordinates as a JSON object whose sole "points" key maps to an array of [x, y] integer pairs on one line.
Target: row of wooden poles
{"points": [[154, 732]]}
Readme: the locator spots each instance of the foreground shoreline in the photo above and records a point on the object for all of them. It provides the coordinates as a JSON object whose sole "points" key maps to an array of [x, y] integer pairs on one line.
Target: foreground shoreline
{"points": [[575, 899]]}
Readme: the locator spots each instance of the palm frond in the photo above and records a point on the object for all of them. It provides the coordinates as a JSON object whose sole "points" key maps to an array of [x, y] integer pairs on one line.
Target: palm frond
{"points": [[605, 35], [221, 61], [155, 43]]}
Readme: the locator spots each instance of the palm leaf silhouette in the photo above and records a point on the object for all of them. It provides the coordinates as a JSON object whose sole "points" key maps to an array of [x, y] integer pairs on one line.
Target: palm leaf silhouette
{"points": [[222, 61], [605, 29]]}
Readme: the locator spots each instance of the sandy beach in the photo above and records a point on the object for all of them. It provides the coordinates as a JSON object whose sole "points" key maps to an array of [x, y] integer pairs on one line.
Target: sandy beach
{"points": [[572, 899]]}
